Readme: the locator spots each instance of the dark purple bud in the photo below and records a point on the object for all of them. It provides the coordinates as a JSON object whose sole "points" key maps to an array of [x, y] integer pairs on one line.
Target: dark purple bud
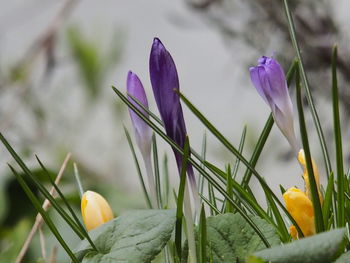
{"points": [[270, 82], [165, 82]]}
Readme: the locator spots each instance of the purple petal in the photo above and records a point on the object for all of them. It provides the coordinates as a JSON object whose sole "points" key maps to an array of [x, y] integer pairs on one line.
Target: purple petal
{"points": [[143, 132], [269, 80], [165, 81]]}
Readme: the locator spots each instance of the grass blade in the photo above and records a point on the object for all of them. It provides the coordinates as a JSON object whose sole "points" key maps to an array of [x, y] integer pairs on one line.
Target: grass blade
{"points": [[155, 117], [243, 196], [202, 236], [213, 207], [139, 173], [180, 199], [78, 180], [41, 188], [212, 199], [156, 171], [203, 156], [313, 186], [166, 185], [76, 219], [240, 149], [338, 144], [327, 204], [283, 231], [44, 214], [307, 89], [229, 208]]}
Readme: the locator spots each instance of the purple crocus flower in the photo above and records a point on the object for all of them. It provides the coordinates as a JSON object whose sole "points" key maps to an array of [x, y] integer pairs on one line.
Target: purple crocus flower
{"points": [[270, 82], [143, 132], [165, 82]]}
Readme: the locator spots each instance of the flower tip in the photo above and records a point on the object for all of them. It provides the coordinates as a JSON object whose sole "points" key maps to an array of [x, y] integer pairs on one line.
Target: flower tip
{"points": [[156, 41], [157, 45], [263, 60]]}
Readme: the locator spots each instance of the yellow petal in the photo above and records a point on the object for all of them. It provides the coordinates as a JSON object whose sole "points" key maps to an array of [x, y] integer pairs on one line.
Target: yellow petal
{"points": [[293, 232], [302, 161], [301, 209], [95, 210]]}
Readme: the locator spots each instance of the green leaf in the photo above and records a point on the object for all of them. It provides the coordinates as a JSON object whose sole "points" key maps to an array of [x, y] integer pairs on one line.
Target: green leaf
{"points": [[139, 173], [180, 198], [136, 236], [230, 238], [344, 258], [202, 236], [338, 144], [324, 247], [315, 198], [327, 204], [309, 97]]}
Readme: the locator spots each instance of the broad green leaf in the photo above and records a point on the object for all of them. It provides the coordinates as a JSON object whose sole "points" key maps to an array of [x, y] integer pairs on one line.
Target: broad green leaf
{"points": [[136, 236], [344, 258], [324, 247], [231, 239]]}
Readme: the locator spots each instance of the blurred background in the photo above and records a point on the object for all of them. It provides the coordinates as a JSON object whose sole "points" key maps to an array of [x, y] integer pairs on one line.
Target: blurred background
{"points": [[59, 59]]}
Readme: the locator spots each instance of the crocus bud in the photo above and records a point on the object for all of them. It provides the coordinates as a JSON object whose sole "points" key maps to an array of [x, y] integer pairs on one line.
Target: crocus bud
{"points": [[301, 159], [95, 210], [165, 82], [270, 82], [143, 132], [301, 209]]}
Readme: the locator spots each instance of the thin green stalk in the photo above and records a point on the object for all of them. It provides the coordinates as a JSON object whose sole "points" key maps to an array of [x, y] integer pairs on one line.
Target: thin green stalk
{"points": [[44, 214], [307, 89], [203, 156], [156, 172], [338, 143], [212, 199], [327, 204], [76, 219], [240, 149], [146, 109], [242, 195], [41, 188], [283, 231], [313, 186], [166, 185], [209, 204], [229, 208], [202, 237], [180, 200], [198, 167], [139, 173], [78, 180]]}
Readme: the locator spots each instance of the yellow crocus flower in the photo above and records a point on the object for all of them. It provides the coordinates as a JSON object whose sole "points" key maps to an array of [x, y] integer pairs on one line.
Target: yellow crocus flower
{"points": [[301, 209], [302, 161], [95, 210]]}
